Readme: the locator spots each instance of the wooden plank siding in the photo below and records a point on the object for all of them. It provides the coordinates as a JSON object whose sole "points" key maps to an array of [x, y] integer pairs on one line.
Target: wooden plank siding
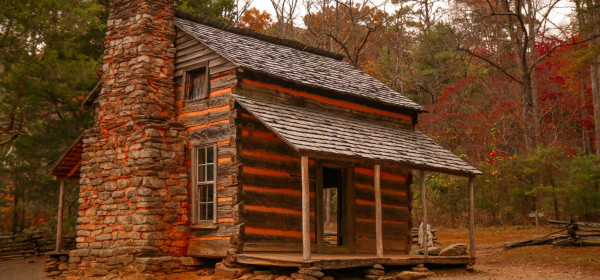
{"points": [[209, 121], [190, 52], [287, 96], [395, 201], [271, 190]]}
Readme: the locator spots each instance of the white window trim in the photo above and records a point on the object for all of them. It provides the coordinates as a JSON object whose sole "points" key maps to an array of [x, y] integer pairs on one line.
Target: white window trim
{"points": [[195, 184]]}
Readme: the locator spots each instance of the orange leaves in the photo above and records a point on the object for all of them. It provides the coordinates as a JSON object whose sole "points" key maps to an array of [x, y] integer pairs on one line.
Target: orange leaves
{"points": [[348, 28], [256, 20]]}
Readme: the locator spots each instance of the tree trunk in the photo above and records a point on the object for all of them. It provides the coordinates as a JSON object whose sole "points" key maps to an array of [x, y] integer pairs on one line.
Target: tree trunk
{"points": [[527, 110], [15, 220], [596, 101], [595, 75], [536, 108]]}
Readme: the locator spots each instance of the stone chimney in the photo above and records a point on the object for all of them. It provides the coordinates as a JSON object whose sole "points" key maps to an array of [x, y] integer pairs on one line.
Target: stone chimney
{"points": [[133, 212]]}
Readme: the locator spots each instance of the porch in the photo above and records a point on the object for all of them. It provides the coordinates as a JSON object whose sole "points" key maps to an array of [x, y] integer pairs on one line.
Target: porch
{"points": [[332, 143], [341, 261]]}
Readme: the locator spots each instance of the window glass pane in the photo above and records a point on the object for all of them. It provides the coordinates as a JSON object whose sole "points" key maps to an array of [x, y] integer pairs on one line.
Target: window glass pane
{"points": [[204, 211], [202, 192], [200, 211], [210, 154], [201, 173], [209, 211], [201, 155], [209, 193], [210, 172]]}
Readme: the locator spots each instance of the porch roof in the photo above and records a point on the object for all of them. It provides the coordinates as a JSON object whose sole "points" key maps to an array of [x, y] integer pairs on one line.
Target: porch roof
{"points": [[67, 167], [309, 131]]}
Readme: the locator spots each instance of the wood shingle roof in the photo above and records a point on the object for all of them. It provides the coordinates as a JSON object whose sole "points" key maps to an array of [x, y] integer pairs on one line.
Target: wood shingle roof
{"points": [[312, 131], [292, 64]]}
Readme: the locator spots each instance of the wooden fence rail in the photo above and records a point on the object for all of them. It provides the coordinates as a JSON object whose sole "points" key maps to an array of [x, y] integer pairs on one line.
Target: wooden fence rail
{"points": [[30, 244]]}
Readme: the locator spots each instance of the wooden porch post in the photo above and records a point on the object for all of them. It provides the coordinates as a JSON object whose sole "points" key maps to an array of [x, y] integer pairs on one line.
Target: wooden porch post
{"points": [[471, 218], [61, 197], [378, 225], [424, 202], [305, 209]]}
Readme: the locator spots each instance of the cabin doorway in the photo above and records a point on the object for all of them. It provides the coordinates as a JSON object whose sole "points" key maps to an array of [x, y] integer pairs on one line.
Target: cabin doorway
{"points": [[333, 221]]}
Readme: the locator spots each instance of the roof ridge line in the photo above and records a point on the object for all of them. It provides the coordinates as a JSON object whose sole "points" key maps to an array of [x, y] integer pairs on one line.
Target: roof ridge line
{"points": [[253, 34]]}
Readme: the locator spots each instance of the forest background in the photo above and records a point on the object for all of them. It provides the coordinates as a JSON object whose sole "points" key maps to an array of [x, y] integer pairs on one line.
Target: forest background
{"points": [[509, 88]]}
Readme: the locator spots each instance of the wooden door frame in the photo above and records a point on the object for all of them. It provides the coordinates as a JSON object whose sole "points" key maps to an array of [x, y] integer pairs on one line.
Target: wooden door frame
{"points": [[349, 217]]}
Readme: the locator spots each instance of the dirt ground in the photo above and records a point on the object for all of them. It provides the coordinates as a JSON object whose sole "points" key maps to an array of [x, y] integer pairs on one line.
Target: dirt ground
{"points": [[493, 262], [532, 262], [26, 269]]}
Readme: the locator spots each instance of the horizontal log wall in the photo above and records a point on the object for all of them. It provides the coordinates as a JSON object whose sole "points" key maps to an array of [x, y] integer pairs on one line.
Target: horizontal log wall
{"points": [[271, 190], [210, 121], [311, 100], [395, 200]]}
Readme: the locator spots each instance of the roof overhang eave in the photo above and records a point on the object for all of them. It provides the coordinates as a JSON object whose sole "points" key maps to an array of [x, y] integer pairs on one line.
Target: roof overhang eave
{"points": [[373, 161]]}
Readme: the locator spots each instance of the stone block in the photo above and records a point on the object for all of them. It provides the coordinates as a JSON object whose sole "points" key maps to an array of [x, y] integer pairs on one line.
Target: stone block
{"points": [[300, 276], [144, 191], [454, 250], [153, 182], [312, 272], [376, 272], [191, 261], [224, 272], [83, 252], [412, 275]]}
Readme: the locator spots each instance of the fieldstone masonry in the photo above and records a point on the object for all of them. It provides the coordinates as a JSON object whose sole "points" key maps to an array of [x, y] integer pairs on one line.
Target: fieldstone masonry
{"points": [[133, 213]]}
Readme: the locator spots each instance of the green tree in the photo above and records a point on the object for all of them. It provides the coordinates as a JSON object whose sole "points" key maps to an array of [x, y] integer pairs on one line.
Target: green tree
{"points": [[50, 55], [228, 11]]}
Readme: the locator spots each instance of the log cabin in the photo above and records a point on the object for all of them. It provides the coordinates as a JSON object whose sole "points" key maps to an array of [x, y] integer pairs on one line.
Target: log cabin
{"points": [[213, 141]]}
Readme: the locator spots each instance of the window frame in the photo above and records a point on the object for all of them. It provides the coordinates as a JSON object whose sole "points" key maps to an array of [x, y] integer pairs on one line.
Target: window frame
{"points": [[196, 184], [187, 76]]}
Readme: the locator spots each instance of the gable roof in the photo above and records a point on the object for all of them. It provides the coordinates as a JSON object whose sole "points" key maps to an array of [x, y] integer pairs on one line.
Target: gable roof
{"points": [[293, 64], [208, 21], [312, 131]]}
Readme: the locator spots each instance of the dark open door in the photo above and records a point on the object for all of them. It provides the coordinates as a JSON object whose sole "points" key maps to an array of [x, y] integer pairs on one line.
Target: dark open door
{"points": [[334, 224]]}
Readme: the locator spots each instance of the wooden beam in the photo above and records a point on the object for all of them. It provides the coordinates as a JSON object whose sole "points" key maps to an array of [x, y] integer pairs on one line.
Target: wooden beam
{"points": [[378, 224], [424, 202], [471, 218], [320, 214], [74, 169], [61, 198], [305, 209]]}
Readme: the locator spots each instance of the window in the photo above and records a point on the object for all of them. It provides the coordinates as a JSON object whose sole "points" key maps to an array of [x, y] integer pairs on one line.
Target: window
{"points": [[196, 83], [205, 170]]}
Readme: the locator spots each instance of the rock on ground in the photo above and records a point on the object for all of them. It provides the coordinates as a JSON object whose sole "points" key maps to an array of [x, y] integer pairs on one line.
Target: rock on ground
{"points": [[454, 250]]}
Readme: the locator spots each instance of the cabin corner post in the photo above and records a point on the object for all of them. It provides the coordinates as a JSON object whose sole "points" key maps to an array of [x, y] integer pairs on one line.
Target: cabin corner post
{"points": [[471, 218], [61, 198], [378, 223], [424, 203], [305, 209]]}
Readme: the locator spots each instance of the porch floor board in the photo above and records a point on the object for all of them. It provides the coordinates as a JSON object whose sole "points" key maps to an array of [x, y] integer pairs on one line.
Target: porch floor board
{"points": [[340, 261]]}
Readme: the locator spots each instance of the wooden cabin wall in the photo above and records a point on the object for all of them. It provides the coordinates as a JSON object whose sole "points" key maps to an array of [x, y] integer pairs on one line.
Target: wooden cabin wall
{"points": [[271, 190], [395, 200], [282, 95], [209, 121]]}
